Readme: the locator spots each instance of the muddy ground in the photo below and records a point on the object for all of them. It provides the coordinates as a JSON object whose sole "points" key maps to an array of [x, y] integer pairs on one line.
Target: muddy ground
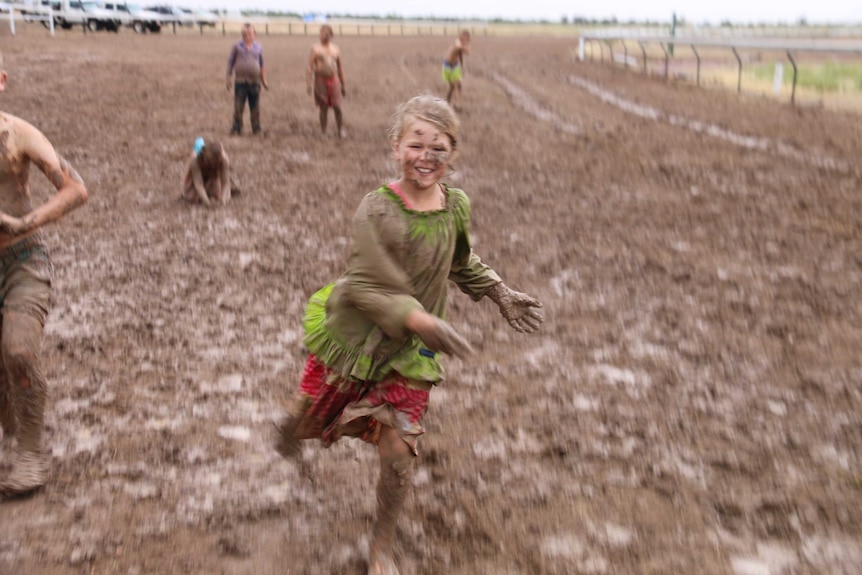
{"points": [[692, 405]]}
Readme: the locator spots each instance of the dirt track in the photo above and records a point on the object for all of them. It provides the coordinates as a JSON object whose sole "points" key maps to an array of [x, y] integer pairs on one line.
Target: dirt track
{"points": [[693, 404]]}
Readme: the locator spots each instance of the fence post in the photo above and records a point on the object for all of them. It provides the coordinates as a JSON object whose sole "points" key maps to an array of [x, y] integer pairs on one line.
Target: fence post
{"points": [[222, 28], [643, 50], [793, 92], [12, 19], [666, 58], [696, 55], [739, 75]]}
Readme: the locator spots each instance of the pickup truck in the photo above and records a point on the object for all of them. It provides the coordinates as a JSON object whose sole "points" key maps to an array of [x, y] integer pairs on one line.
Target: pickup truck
{"points": [[172, 14], [135, 17], [201, 17], [68, 13]]}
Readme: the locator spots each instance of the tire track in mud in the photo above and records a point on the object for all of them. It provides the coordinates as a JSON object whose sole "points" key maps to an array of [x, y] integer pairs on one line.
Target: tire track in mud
{"points": [[524, 101], [815, 158]]}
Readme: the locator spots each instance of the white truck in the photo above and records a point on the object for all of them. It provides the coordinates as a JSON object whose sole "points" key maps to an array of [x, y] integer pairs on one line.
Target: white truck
{"points": [[135, 17], [68, 13]]}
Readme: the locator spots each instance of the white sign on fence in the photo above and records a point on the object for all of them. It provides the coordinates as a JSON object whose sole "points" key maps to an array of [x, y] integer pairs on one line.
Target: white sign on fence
{"points": [[779, 78]]}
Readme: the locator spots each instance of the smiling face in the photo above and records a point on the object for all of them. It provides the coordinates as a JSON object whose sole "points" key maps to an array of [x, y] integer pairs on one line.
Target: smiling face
{"points": [[423, 152]]}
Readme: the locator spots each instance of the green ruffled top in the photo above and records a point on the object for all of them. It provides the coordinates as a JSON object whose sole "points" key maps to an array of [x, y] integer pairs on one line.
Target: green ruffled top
{"points": [[402, 260]]}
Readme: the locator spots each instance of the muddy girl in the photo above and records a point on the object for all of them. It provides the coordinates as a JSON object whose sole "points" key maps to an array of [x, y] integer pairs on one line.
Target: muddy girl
{"points": [[376, 335]]}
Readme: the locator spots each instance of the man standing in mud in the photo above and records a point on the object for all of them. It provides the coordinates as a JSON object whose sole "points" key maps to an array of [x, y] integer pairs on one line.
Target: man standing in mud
{"points": [[325, 76], [245, 64], [25, 292]]}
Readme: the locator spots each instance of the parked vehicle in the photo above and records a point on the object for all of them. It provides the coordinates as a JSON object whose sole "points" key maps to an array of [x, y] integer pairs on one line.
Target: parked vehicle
{"points": [[201, 17], [135, 17], [96, 17], [68, 13], [172, 15]]}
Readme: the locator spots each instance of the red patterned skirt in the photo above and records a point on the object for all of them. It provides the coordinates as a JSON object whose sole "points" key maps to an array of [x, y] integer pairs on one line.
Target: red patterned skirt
{"points": [[331, 406]]}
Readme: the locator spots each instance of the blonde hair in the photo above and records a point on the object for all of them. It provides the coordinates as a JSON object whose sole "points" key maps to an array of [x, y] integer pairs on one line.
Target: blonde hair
{"points": [[436, 111]]}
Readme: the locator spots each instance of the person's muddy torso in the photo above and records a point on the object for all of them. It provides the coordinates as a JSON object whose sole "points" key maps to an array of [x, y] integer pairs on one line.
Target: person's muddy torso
{"points": [[14, 177], [326, 60]]}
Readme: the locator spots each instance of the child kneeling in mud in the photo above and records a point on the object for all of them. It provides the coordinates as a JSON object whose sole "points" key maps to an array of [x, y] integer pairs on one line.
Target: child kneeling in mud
{"points": [[207, 175], [375, 336]]}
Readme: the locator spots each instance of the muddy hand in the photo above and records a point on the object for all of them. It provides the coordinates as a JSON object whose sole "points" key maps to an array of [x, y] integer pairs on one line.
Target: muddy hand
{"points": [[523, 312]]}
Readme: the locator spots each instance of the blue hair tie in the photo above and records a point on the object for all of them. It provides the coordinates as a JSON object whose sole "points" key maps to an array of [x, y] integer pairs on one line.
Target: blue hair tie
{"points": [[199, 145]]}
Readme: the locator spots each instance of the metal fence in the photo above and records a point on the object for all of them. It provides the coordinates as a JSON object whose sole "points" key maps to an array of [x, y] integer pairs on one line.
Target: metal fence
{"points": [[787, 45]]}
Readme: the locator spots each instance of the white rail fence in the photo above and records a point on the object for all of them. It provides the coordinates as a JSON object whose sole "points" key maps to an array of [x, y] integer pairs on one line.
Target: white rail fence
{"points": [[852, 45], [46, 16]]}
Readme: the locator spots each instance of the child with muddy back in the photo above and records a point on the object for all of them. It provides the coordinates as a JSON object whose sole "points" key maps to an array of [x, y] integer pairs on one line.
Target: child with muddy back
{"points": [[207, 175], [453, 67], [26, 273], [375, 336]]}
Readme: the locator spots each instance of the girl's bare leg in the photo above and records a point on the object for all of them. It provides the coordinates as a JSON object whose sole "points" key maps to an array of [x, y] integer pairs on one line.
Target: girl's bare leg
{"points": [[396, 466]]}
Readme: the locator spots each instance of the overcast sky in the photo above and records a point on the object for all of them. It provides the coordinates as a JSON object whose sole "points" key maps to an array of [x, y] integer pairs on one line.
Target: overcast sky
{"points": [[693, 11]]}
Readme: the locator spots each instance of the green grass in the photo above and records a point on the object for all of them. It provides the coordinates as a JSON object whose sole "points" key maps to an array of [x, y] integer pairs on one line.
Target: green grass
{"points": [[826, 77]]}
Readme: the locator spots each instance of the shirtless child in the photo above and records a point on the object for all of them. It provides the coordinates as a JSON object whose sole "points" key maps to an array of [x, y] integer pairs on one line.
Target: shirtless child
{"points": [[453, 67], [325, 77], [25, 292]]}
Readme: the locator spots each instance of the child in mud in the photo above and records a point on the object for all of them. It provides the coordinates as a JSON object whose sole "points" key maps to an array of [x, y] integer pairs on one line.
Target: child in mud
{"points": [[453, 65], [324, 76], [375, 336], [207, 175], [26, 272]]}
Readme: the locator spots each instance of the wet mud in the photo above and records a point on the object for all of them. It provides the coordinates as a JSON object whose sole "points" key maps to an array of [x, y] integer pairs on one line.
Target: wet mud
{"points": [[693, 403]]}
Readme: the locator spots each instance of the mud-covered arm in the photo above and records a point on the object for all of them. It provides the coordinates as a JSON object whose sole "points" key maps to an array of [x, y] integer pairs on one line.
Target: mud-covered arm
{"points": [[71, 191], [231, 61], [198, 181], [470, 274], [263, 72], [376, 283], [340, 70], [309, 71]]}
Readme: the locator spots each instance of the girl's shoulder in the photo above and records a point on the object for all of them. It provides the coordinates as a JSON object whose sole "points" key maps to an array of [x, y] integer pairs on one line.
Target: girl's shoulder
{"points": [[457, 195]]}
